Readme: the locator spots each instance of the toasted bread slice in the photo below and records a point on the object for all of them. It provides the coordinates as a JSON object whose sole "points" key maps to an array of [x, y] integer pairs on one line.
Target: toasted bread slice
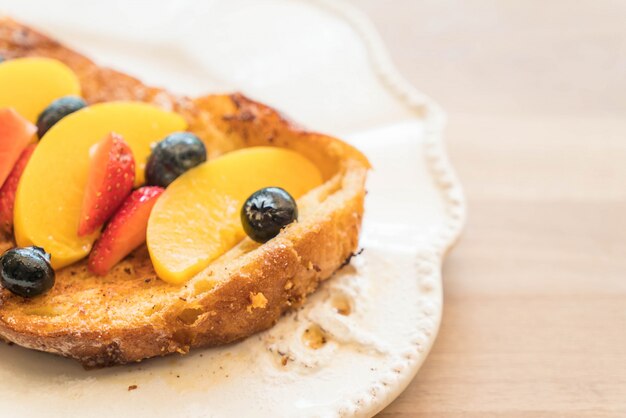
{"points": [[130, 314]]}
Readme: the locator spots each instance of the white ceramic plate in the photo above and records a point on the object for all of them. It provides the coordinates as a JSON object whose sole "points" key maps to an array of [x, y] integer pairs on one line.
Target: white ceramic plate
{"points": [[321, 63]]}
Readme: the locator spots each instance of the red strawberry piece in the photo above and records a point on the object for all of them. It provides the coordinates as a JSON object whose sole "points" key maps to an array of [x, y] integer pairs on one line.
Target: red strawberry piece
{"points": [[9, 188], [110, 180], [15, 135], [126, 230]]}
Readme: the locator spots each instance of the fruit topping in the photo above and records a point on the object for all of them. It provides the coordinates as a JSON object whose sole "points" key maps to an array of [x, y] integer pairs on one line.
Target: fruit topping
{"points": [[31, 84], [198, 217], [15, 135], [26, 271], [172, 157], [266, 212], [110, 180], [9, 188], [56, 111], [50, 195], [126, 230]]}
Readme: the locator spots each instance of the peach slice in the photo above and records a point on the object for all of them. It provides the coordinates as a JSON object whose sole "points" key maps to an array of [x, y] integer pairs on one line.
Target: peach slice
{"points": [[51, 191], [197, 219], [29, 85]]}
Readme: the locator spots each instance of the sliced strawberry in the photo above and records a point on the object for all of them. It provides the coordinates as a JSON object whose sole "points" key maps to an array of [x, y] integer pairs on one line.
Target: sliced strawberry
{"points": [[126, 230], [15, 135], [9, 188], [109, 182]]}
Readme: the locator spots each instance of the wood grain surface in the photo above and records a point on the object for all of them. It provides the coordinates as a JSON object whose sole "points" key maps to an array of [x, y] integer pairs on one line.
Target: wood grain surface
{"points": [[534, 320]]}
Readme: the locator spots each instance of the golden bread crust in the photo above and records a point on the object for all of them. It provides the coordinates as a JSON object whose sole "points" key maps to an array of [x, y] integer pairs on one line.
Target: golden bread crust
{"points": [[130, 315]]}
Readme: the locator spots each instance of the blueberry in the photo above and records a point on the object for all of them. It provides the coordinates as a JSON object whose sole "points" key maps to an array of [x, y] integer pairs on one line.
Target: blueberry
{"points": [[26, 271], [2, 58], [173, 156], [56, 111], [266, 212]]}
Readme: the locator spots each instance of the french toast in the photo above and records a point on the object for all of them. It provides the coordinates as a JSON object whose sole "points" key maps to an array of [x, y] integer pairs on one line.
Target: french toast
{"points": [[129, 314]]}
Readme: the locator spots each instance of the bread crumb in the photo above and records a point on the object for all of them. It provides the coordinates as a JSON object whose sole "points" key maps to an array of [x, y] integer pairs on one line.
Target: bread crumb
{"points": [[132, 387], [257, 300]]}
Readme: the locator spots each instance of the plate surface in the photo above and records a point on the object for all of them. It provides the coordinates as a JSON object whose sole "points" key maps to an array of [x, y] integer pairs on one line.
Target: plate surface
{"points": [[322, 63]]}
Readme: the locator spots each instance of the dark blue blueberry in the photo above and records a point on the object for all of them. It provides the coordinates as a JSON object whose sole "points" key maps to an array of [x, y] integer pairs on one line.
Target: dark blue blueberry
{"points": [[26, 271], [173, 156], [266, 212], [56, 111]]}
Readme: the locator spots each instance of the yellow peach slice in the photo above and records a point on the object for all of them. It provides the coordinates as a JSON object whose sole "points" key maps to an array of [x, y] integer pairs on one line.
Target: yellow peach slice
{"points": [[29, 85], [50, 194], [197, 219]]}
